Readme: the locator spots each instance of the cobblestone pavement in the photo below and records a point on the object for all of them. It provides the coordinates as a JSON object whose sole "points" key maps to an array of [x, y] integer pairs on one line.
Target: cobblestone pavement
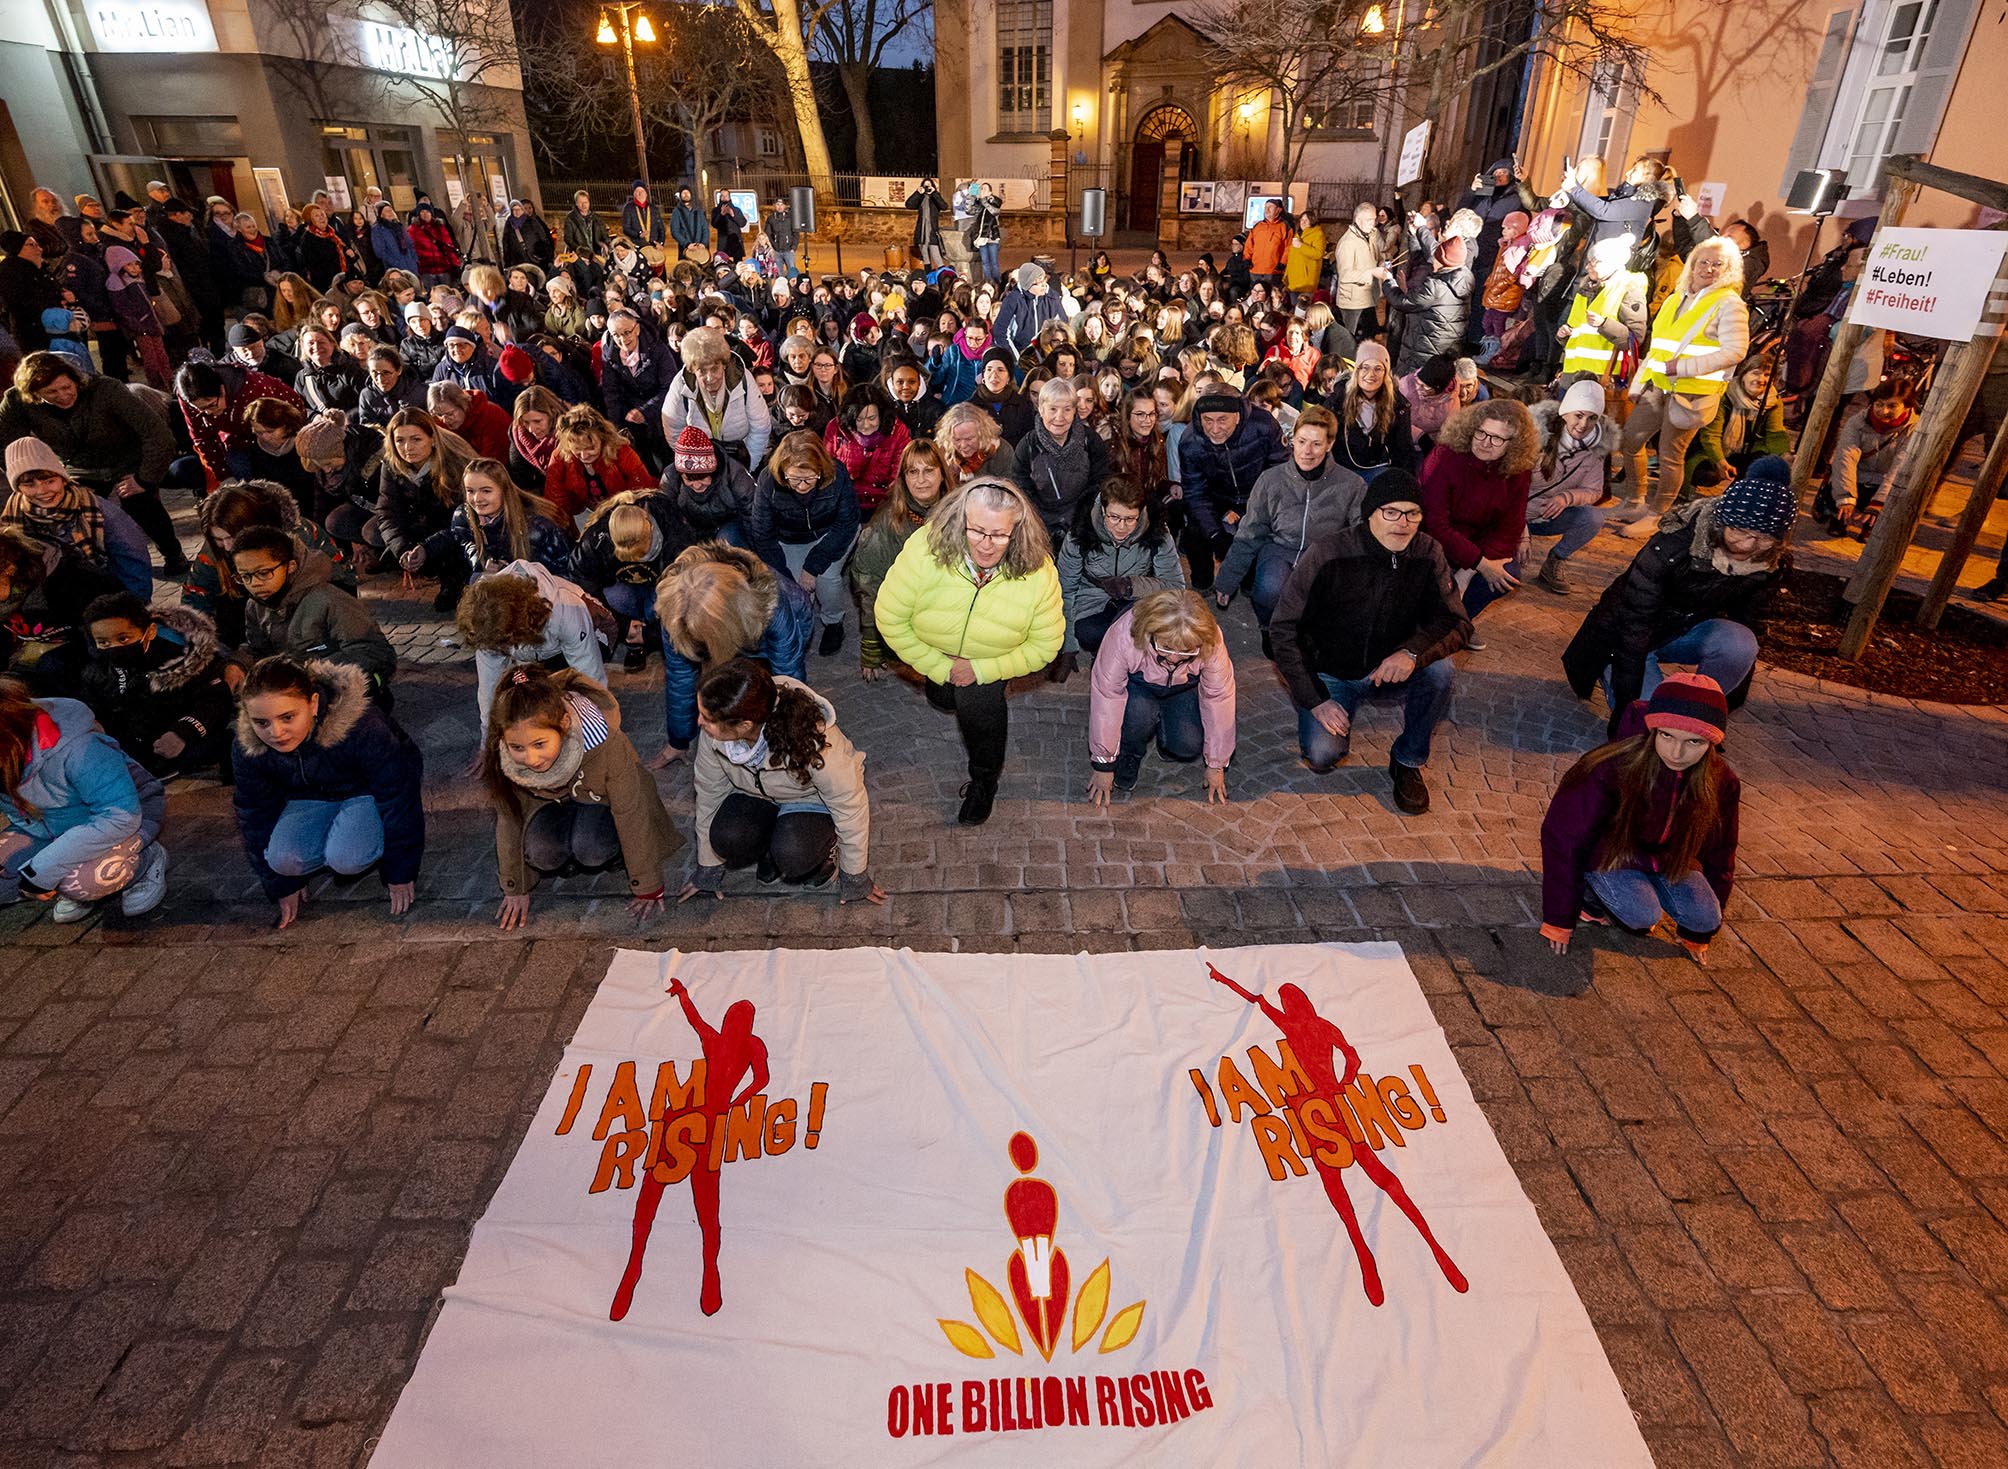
{"points": [[240, 1166]]}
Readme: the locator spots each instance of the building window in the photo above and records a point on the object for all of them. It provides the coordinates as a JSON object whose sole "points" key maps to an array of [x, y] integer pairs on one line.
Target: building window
{"points": [[1346, 98], [1894, 71], [1607, 118], [1024, 65], [768, 142]]}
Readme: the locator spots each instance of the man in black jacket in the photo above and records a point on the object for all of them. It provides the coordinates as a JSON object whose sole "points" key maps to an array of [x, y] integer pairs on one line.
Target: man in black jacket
{"points": [[26, 290], [926, 204], [1372, 611]]}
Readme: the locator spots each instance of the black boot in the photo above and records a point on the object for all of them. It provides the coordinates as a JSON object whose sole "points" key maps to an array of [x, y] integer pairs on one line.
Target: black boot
{"points": [[833, 638], [977, 799], [1410, 794]]}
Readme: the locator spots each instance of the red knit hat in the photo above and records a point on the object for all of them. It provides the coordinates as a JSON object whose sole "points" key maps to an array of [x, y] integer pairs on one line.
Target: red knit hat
{"points": [[1452, 252], [695, 453], [1691, 703], [515, 365]]}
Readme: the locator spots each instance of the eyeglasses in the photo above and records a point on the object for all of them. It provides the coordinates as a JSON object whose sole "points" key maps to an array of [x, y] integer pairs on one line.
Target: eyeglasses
{"points": [[259, 575], [1400, 517], [803, 481], [1171, 662], [1484, 437], [988, 537]]}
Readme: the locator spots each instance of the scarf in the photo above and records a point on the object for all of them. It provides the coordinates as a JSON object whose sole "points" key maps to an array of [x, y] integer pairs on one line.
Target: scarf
{"points": [[75, 523], [1065, 461], [588, 731], [534, 451], [749, 754]]}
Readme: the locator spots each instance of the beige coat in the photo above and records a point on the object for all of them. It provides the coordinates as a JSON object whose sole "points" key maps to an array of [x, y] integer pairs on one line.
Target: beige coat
{"points": [[1357, 256], [838, 787]]}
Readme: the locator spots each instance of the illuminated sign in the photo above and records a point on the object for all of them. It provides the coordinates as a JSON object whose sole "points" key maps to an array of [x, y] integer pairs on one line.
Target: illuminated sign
{"points": [[151, 25], [407, 52]]}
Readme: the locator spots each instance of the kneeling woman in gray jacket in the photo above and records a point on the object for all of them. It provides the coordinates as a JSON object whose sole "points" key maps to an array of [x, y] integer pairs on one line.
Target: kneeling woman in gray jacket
{"points": [[778, 786]]}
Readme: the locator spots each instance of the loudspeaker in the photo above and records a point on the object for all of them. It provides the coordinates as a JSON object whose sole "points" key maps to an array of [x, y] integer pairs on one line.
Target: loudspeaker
{"points": [[1094, 213], [802, 208], [1816, 191]]}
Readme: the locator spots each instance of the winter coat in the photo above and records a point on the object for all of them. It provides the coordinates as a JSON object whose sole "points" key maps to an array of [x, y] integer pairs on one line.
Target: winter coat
{"points": [[930, 614], [927, 207], [1492, 204], [1350, 602], [1578, 475], [1473, 509], [410, 513], [687, 226], [528, 241], [723, 505], [586, 236], [42, 635], [951, 373], [575, 489], [1434, 314], [323, 259], [25, 293], [1120, 660], [109, 433], [1306, 260], [1293, 509], [215, 435], [1672, 585], [202, 589], [1577, 830], [549, 546], [610, 774], [595, 567], [1012, 410], [1021, 314], [374, 407], [1623, 211], [1056, 492], [643, 386], [568, 633], [744, 425], [1358, 252], [1865, 456], [178, 690], [486, 428], [1218, 478], [481, 373], [393, 247], [79, 789], [1389, 443], [922, 416], [438, 252], [788, 622], [314, 618], [1427, 411], [338, 385], [837, 786], [872, 466], [1090, 559], [355, 750], [828, 516], [1737, 434]]}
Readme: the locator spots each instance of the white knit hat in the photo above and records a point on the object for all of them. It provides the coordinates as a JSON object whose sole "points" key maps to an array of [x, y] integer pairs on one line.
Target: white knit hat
{"points": [[1586, 395]]}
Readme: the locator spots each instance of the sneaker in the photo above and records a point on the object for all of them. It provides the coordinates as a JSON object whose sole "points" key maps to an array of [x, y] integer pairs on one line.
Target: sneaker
{"points": [[977, 799], [1126, 772], [821, 877], [144, 892], [636, 659], [69, 910], [833, 638], [766, 871], [1475, 643], [1551, 579], [1410, 794], [1641, 529]]}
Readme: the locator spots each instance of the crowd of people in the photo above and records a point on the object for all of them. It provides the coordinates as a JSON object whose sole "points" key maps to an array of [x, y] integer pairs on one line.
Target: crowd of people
{"points": [[666, 441]]}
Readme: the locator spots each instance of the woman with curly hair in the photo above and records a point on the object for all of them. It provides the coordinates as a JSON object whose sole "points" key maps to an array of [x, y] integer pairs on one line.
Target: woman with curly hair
{"points": [[594, 462], [970, 604], [778, 787], [1474, 497], [716, 603], [925, 476], [972, 443], [569, 791], [523, 614]]}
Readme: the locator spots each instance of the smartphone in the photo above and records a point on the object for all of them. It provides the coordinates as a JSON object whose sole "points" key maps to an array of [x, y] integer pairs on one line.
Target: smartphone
{"points": [[1568, 163]]}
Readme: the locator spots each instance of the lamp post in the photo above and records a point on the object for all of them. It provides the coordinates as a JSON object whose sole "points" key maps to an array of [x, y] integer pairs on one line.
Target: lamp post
{"points": [[634, 26]]}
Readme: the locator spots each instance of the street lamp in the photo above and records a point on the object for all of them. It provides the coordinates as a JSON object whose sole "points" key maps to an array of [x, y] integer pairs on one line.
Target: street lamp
{"points": [[634, 26]]}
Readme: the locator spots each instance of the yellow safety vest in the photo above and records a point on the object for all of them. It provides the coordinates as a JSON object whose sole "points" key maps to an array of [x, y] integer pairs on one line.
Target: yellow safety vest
{"points": [[1588, 349], [1675, 334]]}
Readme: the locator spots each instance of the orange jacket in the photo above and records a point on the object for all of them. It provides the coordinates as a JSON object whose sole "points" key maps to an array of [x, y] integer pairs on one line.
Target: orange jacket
{"points": [[1268, 243]]}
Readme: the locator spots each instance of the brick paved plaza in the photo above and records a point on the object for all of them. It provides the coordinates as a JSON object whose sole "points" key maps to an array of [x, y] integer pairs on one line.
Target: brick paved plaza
{"points": [[240, 1166]]}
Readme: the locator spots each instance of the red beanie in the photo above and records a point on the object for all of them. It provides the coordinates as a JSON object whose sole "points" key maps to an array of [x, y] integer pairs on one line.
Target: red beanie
{"points": [[694, 451], [1691, 703], [515, 365]]}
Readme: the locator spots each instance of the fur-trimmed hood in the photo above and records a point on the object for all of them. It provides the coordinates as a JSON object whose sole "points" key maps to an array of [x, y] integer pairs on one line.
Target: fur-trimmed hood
{"points": [[276, 494], [1521, 455], [199, 634], [1547, 416], [345, 698]]}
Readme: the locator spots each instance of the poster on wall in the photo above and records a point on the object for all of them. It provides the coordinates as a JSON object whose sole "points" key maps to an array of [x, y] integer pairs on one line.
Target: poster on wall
{"points": [[498, 190], [1229, 195], [880, 191], [272, 195], [1214, 1207], [1931, 283], [338, 191], [1196, 198]]}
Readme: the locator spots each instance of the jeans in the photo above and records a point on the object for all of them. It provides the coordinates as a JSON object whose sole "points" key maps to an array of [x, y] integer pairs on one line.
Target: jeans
{"points": [[833, 588], [579, 832], [1723, 650], [1172, 716], [1480, 594], [1636, 900], [1425, 698], [346, 836], [787, 258], [982, 718], [1577, 526], [986, 258], [626, 599], [798, 843], [1273, 564], [1091, 629]]}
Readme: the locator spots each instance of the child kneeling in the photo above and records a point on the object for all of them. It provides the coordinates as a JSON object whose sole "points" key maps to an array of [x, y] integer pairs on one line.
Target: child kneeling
{"points": [[1646, 826], [569, 790]]}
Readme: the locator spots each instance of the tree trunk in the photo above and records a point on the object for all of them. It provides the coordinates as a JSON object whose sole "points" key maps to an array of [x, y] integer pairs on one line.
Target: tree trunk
{"points": [[855, 75], [781, 32]]}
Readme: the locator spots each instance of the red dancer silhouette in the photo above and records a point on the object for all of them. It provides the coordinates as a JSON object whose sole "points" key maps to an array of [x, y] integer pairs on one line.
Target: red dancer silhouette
{"points": [[1312, 1040], [728, 1054], [1038, 1272]]}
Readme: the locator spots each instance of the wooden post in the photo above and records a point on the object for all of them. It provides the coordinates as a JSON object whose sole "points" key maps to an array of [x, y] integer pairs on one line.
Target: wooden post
{"points": [[1953, 562], [1952, 393], [1848, 338]]}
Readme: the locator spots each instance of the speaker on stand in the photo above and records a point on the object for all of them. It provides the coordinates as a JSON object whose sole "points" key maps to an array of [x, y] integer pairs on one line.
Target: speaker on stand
{"points": [[1093, 223], [802, 214]]}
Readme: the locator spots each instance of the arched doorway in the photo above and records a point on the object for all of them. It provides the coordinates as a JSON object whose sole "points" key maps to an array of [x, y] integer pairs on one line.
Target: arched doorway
{"points": [[1165, 128]]}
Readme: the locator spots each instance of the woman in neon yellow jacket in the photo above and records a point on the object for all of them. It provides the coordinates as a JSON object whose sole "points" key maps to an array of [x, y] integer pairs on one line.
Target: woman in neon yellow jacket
{"points": [[971, 603]]}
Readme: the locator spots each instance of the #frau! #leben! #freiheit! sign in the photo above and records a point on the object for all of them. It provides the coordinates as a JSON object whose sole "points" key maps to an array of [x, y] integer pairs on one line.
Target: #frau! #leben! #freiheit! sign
{"points": [[1928, 283]]}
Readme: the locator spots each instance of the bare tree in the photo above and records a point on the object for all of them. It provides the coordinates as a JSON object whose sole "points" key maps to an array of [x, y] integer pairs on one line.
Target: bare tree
{"points": [[853, 36], [310, 46], [458, 58], [784, 27]]}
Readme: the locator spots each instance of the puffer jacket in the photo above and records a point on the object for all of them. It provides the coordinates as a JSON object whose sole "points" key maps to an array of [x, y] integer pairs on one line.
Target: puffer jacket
{"points": [[1218, 478], [1090, 559], [314, 618], [1578, 475], [355, 750], [745, 427], [837, 786], [549, 546], [1671, 586], [1387, 443], [723, 505], [107, 434], [828, 516], [594, 564], [610, 774], [644, 386], [1293, 508], [951, 372], [872, 466], [930, 614], [76, 793], [205, 588], [574, 489], [789, 619], [1433, 314], [410, 513], [179, 691]]}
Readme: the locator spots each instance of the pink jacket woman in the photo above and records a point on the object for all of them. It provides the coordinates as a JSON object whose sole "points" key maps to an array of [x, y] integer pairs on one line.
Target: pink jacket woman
{"points": [[1120, 659]]}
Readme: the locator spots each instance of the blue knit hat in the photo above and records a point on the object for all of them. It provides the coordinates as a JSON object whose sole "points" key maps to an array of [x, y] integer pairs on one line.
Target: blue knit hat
{"points": [[1760, 500]]}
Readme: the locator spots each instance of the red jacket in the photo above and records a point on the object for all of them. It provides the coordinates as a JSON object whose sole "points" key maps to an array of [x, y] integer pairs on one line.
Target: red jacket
{"points": [[437, 253], [486, 427], [1470, 511], [572, 490], [872, 467]]}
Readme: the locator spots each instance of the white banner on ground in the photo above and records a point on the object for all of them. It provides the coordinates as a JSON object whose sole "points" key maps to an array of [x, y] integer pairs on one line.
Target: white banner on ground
{"points": [[883, 1208]]}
